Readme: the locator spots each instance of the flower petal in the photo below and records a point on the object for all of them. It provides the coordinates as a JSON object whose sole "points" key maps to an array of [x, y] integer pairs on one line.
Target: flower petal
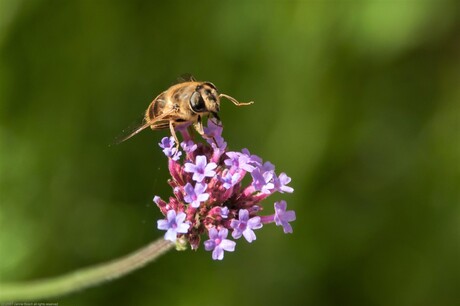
{"points": [[213, 234], [200, 188], [180, 217], [243, 215], [183, 228], [223, 233], [287, 228], [209, 245], [218, 253], [171, 235], [289, 216], [200, 161], [189, 167], [203, 197], [171, 215], [162, 225], [249, 235], [236, 234], [255, 223], [228, 245]]}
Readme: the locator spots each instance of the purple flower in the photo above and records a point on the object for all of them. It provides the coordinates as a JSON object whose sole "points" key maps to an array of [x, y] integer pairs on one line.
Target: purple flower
{"points": [[261, 181], [230, 180], [283, 217], [280, 183], [194, 196], [233, 159], [173, 225], [214, 131], [224, 212], [218, 243], [245, 226], [254, 159], [267, 168], [238, 160], [201, 168], [188, 146], [167, 144], [176, 155], [219, 144]]}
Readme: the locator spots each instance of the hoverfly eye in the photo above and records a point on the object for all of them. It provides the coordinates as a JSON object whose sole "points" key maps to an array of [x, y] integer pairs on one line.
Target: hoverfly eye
{"points": [[197, 103]]}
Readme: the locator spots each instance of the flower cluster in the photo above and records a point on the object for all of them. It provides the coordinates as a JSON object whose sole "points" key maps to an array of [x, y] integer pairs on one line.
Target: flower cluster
{"points": [[209, 195]]}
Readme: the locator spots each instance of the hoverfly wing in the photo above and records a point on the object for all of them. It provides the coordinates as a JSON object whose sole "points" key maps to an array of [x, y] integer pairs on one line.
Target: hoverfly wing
{"points": [[135, 128], [186, 77]]}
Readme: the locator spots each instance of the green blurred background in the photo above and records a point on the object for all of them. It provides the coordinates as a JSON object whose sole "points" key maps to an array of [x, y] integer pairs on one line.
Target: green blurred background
{"points": [[358, 102]]}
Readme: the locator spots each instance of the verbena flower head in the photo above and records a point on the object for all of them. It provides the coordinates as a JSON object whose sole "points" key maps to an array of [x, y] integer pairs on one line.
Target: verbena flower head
{"points": [[210, 198]]}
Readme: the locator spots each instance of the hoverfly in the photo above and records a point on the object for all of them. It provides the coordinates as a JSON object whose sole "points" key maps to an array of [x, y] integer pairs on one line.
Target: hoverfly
{"points": [[186, 102]]}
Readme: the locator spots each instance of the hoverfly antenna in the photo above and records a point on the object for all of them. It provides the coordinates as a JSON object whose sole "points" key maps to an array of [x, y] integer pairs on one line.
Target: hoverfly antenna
{"points": [[234, 101]]}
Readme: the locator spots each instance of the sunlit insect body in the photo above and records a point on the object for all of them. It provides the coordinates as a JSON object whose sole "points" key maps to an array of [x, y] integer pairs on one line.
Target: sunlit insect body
{"points": [[181, 104]]}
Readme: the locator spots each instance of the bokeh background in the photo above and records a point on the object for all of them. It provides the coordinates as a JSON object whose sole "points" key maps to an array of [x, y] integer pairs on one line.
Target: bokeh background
{"points": [[357, 101]]}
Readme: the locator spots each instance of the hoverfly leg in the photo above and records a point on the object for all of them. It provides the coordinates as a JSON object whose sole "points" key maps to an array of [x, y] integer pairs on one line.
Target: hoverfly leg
{"points": [[198, 125], [234, 101], [173, 134]]}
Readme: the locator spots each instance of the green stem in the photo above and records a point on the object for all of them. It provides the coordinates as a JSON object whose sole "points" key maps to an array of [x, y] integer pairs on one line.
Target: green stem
{"points": [[83, 278]]}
